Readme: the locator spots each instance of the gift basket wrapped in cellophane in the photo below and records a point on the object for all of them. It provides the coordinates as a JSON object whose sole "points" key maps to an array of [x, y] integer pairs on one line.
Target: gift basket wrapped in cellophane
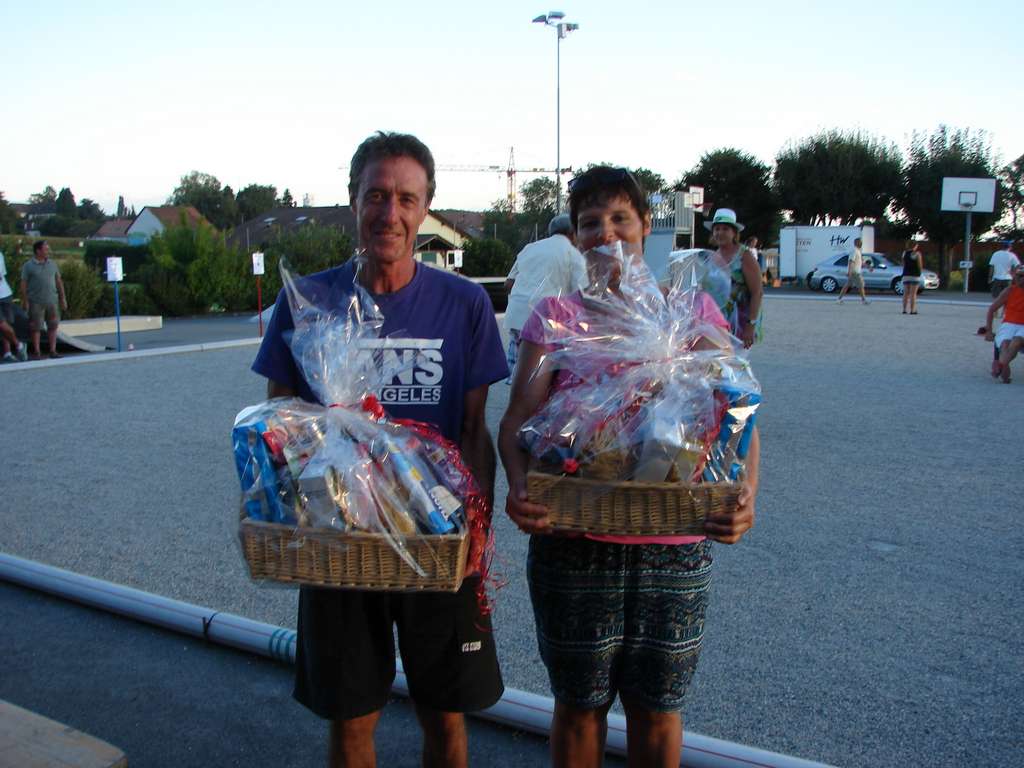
{"points": [[649, 416], [337, 494]]}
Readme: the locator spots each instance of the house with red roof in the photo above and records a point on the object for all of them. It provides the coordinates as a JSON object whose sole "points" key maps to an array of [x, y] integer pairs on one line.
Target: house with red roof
{"points": [[153, 220], [114, 230]]}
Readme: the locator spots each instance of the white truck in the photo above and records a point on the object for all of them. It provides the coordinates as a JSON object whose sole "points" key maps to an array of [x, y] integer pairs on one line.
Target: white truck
{"points": [[801, 248]]}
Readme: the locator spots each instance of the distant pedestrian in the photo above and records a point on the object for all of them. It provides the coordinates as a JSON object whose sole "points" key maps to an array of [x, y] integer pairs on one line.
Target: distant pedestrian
{"points": [[12, 347], [548, 267], [1000, 268], [1010, 339], [752, 248], [854, 267], [42, 296], [913, 263]]}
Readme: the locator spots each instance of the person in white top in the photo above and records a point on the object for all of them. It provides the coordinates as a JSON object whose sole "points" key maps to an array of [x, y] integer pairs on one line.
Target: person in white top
{"points": [[1000, 268], [548, 267], [7, 334], [853, 273]]}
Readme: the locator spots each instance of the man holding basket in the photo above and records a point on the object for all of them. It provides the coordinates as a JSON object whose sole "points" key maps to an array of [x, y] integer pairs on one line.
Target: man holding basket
{"points": [[440, 349]]}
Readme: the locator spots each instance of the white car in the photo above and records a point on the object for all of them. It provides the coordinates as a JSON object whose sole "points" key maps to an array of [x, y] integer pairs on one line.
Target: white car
{"points": [[879, 274]]}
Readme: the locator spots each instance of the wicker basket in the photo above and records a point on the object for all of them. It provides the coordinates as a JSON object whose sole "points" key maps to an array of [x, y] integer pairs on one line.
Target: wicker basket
{"points": [[327, 558], [626, 508]]}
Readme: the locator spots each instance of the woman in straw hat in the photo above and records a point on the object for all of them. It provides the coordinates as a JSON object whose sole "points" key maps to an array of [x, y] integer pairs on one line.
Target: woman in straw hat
{"points": [[616, 615], [735, 281]]}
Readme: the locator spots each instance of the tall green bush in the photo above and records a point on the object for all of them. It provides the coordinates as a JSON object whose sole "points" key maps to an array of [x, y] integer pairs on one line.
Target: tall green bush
{"points": [[311, 248], [487, 257], [82, 288], [167, 286], [132, 256], [134, 301]]}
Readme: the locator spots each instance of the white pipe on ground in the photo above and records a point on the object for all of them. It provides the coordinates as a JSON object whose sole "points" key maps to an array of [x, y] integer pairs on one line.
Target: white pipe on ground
{"points": [[517, 709]]}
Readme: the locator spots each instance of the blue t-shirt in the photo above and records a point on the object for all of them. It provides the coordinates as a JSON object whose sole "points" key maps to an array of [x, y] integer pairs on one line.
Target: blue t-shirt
{"points": [[440, 320]]}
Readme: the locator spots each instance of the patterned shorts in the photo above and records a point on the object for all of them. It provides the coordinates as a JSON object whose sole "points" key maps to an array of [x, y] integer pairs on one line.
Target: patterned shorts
{"points": [[619, 618]]}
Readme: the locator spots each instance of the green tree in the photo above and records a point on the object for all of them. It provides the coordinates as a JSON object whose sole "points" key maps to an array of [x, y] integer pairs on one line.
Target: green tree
{"points": [[255, 199], [48, 195], [836, 177], [286, 200], [946, 152], [204, 193], [537, 197], [122, 210], [89, 210], [57, 226], [66, 205], [8, 217], [228, 214], [486, 257], [1012, 178], [652, 182], [734, 179]]}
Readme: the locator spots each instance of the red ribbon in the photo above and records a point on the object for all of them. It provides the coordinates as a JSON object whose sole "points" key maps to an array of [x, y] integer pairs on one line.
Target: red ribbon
{"points": [[373, 407]]}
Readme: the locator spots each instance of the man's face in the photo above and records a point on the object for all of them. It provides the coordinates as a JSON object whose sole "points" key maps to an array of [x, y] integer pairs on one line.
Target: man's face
{"points": [[44, 252], [857, 242], [391, 206]]}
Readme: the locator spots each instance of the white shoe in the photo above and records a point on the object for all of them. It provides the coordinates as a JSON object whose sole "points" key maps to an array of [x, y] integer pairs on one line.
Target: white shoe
{"points": [[22, 353], [839, 300], [8, 358]]}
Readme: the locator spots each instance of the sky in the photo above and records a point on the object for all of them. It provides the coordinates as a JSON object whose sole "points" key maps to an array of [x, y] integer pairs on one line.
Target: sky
{"points": [[114, 99]]}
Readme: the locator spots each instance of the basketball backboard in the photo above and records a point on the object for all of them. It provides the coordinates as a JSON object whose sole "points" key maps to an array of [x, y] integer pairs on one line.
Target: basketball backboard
{"points": [[968, 195]]}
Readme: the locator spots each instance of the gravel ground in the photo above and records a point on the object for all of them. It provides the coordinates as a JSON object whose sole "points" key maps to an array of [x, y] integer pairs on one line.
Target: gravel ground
{"points": [[855, 625]]}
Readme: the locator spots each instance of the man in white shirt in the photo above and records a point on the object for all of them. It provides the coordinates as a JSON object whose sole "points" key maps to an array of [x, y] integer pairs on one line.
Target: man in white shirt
{"points": [[1000, 268], [853, 273], [10, 339], [548, 267]]}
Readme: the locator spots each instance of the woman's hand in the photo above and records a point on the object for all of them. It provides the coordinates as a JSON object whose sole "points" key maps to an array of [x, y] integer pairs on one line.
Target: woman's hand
{"points": [[528, 517], [748, 335], [729, 527], [990, 336]]}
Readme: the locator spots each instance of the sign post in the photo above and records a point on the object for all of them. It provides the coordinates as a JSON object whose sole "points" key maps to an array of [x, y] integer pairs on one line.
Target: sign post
{"points": [[697, 204], [257, 269], [115, 274], [968, 196]]}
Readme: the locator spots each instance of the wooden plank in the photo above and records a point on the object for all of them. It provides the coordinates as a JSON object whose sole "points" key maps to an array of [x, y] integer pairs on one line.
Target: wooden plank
{"points": [[28, 740]]}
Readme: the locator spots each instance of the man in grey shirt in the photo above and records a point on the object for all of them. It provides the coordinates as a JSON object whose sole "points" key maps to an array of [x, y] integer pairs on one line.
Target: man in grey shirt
{"points": [[42, 296]]}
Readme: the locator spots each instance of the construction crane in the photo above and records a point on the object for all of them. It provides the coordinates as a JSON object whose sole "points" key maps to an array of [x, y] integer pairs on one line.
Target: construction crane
{"points": [[510, 173]]}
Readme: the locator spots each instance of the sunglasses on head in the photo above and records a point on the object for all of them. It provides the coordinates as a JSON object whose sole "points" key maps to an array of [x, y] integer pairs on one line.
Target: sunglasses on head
{"points": [[593, 179]]}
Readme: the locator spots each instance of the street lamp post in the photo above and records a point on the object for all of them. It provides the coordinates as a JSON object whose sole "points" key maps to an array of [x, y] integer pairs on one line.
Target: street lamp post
{"points": [[562, 28]]}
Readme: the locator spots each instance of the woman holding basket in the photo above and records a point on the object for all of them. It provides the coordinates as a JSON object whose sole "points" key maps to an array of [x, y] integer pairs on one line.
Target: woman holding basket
{"points": [[616, 615]]}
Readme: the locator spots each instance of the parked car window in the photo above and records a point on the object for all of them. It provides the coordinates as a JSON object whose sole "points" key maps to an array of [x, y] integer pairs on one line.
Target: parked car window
{"points": [[842, 260]]}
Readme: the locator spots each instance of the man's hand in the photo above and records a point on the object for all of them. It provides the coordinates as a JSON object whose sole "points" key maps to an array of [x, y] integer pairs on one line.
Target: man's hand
{"points": [[748, 335], [729, 527], [989, 336], [528, 517], [63, 304]]}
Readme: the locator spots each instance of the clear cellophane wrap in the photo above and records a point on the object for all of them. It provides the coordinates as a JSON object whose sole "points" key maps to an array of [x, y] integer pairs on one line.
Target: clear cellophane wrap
{"points": [[341, 463], [649, 384]]}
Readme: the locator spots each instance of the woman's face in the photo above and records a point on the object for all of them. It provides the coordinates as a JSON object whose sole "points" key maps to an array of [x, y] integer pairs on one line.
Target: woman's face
{"points": [[610, 222], [723, 234]]}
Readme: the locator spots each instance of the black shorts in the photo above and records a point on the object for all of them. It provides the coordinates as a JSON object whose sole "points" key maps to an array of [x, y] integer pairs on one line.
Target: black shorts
{"points": [[345, 651]]}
